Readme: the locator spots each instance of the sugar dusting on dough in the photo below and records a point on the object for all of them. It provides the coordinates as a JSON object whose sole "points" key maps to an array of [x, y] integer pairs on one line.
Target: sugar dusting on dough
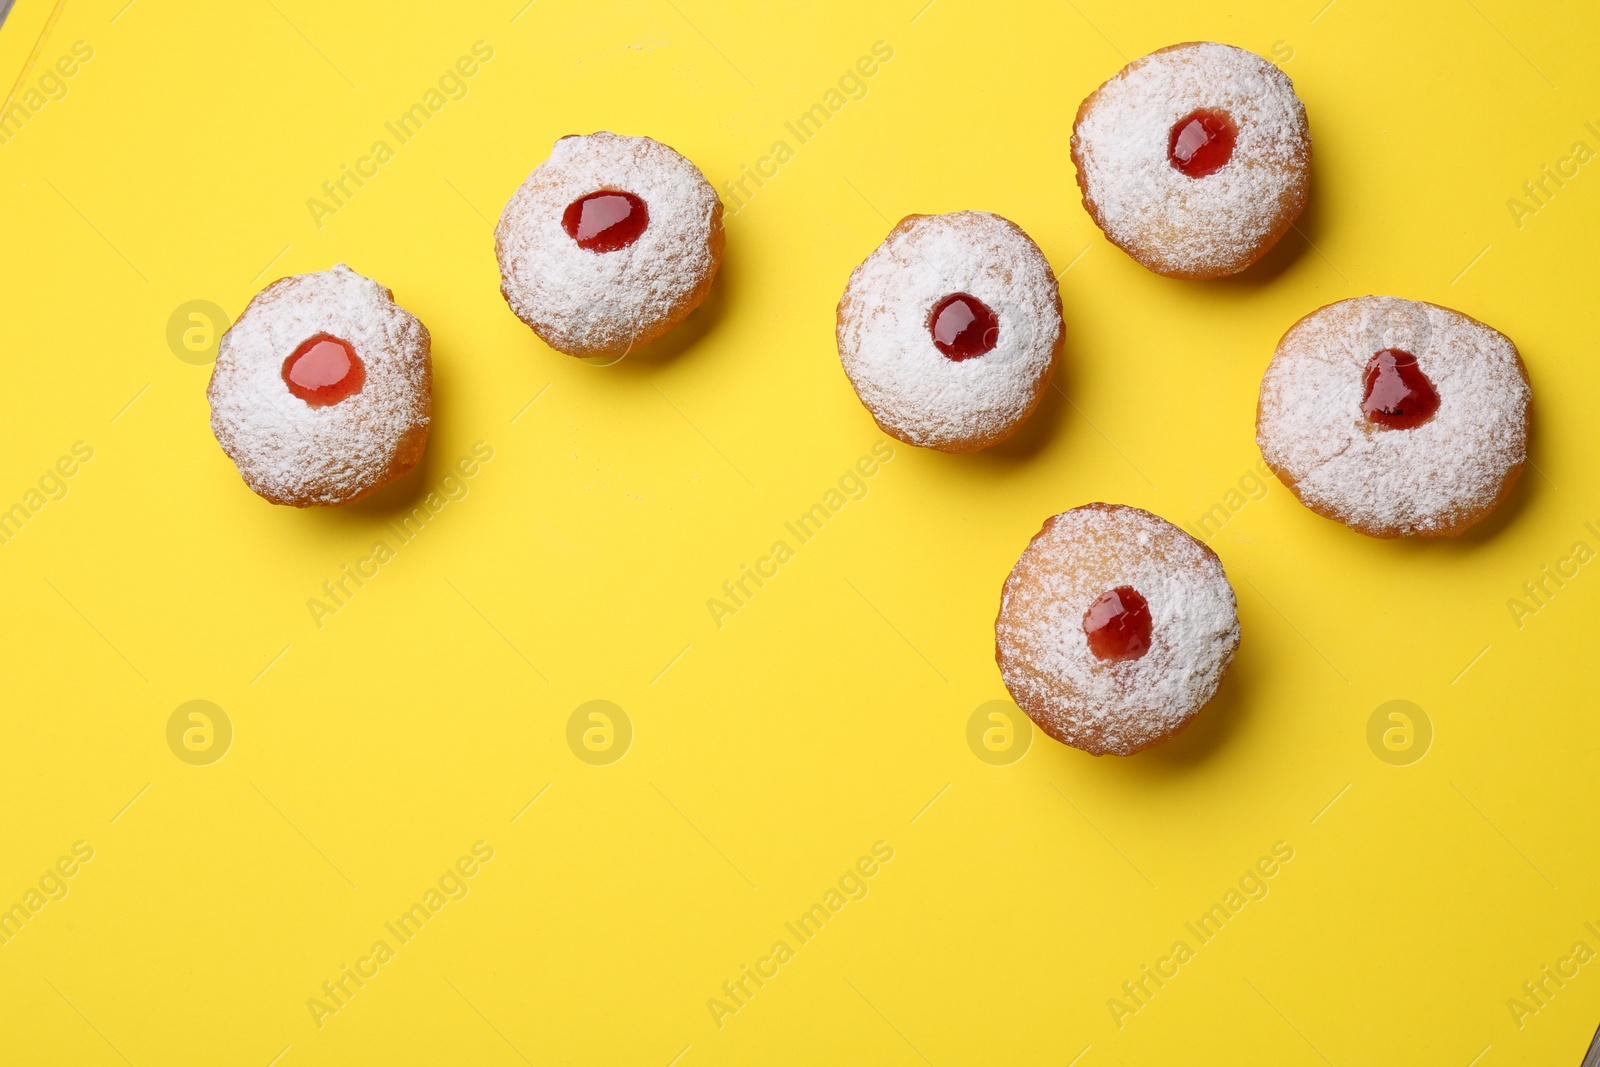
{"points": [[1193, 226], [1421, 481], [1044, 654], [586, 302], [914, 391], [291, 452]]}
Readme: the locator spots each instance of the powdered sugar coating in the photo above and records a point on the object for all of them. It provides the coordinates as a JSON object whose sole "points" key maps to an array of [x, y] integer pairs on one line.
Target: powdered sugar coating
{"points": [[912, 390], [292, 453], [1193, 227], [1097, 705], [1434, 480], [597, 303]]}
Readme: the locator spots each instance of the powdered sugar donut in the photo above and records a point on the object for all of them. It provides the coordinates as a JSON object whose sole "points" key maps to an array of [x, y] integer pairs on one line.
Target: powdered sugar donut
{"points": [[1195, 159], [322, 391], [1395, 417], [610, 243], [949, 330], [1115, 628]]}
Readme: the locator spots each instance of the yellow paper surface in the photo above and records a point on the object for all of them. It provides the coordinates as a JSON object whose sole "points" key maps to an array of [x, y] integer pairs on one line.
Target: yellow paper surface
{"points": [[372, 745]]}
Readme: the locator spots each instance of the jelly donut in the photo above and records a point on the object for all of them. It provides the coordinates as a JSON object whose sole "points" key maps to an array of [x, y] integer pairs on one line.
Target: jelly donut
{"points": [[1195, 159], [949, 330], [322, 391], [1115, 628], [1395, 417], [610, 243]]}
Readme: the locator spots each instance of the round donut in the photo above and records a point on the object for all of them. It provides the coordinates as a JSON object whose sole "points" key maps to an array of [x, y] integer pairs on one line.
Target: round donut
{"points": [[322, 390], [1395, 417], [1195, 159], [1115, 628], [950, 329], [610, 243]]}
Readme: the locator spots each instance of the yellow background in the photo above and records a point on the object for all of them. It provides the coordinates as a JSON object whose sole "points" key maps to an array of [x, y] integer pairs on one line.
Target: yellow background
{"points": [[831, 712]]}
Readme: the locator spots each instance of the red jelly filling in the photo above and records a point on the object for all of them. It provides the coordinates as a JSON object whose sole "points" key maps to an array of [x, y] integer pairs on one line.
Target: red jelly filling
{"points": [[963, 327], [1118, 624], [1202, 142], [1397, 395], [605, 221], [324, 370]]}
